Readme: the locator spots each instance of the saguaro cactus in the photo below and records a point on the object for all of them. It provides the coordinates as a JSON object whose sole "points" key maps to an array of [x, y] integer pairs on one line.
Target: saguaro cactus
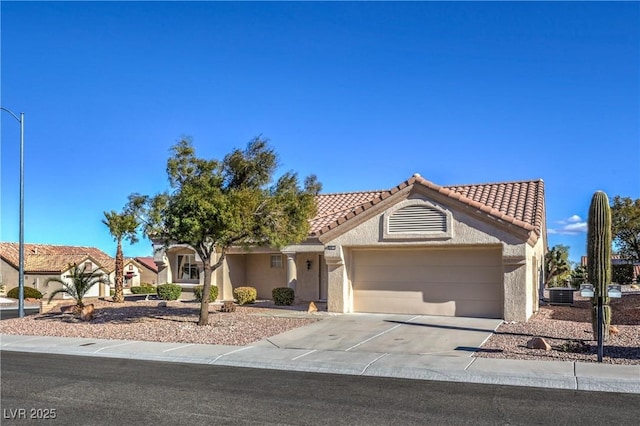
{"points": [[599, 257]]}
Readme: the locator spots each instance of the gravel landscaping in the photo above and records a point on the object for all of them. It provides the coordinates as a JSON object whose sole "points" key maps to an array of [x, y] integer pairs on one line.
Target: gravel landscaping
{"points": [[566, 328], [177, 322]]}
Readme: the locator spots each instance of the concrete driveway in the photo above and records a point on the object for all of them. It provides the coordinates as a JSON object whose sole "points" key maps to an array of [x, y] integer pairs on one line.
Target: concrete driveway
{"points": [[390, 333]]}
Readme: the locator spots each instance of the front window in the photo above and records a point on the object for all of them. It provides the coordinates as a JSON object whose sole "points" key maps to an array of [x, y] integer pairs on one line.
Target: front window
{"points": [[187, 267], [276, 261]]}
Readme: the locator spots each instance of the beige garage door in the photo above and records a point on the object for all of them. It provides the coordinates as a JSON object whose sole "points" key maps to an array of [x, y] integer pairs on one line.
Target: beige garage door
{"points": [[450, 282]]}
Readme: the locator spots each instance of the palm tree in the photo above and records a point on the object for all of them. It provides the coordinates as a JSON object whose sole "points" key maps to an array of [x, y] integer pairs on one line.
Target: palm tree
{"points": [[122, 226], [81, 283]]}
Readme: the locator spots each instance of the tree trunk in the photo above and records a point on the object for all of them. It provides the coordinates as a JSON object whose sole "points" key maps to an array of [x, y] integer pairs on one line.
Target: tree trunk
{"points": [[206, 291], [118, 296]]}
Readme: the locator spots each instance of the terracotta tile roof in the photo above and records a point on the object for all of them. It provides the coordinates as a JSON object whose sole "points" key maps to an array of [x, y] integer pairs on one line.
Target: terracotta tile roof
{"points": [[148, 263], [520, 203], [332, 207], [49, 258]]}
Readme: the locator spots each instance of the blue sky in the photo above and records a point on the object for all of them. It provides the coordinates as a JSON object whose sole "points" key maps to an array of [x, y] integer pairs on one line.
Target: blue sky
{"points": [[361, 94]]}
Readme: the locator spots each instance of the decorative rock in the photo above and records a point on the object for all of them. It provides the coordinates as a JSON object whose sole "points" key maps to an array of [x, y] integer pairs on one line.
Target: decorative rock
{"points": [[538, 343], [86, 314], [162, 305], [613, 330], [228, 306], [312, 308], [67, 309]]}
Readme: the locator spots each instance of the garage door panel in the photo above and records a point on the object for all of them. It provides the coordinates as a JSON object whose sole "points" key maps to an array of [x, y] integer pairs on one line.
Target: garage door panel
{"points": [[445, 274], [414, 303], [451, 257], [434, 290], [460, 282]]}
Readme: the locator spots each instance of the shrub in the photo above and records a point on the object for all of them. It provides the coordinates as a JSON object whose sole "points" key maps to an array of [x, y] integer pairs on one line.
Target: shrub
{"points": [[143, 289], [245, 295], [169, 291], [213, 293], [29, 293], [283, 295], [622, 273]]}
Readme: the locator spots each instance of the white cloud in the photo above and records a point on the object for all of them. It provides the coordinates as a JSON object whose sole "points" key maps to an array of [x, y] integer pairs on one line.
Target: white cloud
{"points": [[574, 219], [573, 225]]}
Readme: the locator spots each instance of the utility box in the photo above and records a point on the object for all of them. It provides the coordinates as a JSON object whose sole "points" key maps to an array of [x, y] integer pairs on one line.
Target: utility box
{"points": [[561, 296]]}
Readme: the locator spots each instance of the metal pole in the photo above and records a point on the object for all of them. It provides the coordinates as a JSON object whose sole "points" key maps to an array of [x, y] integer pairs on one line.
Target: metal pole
{"points": [[21, 237], [21, 243], [600, 331]]}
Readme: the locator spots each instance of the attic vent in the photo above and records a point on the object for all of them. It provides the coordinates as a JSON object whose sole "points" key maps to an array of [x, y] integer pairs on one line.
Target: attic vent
{"points": [[417, 219]]}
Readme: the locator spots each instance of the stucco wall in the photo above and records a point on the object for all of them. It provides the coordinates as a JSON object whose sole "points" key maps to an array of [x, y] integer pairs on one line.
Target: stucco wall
{"points": [[147, 275], [8, 275], [260, 275], [466, 230], [308, 285]]}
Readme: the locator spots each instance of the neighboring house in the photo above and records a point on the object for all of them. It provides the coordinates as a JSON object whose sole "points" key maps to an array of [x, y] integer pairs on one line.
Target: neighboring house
{"points": [[616, 259], [42, 261], [132, 272], [417, 248], [148, 270]]}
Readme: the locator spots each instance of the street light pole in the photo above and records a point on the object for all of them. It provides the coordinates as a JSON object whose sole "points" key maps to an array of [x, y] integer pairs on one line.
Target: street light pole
{"points": [[21, 238]]}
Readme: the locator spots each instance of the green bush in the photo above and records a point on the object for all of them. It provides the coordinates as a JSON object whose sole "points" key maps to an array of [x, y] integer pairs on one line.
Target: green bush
{"points": [[29, 293], [143, 289], [622, 274], [245, 295], [169, 291], [283, 296], [213, 293]]}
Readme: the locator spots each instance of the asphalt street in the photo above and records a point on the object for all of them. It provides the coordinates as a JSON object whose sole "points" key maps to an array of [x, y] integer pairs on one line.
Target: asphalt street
{"points": [[105, 391]]}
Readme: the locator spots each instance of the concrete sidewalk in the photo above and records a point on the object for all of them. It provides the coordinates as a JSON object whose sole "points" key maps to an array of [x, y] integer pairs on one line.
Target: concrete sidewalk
{"points": [[546, 374]]}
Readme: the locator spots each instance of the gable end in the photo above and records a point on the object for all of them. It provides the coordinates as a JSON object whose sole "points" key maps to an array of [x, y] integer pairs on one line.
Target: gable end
{"points": [[417, 219]]}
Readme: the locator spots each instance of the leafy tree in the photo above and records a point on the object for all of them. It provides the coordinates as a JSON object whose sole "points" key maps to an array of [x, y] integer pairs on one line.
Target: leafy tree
{"points": [[122, 226], [312, 184], [579, 275], [625, 217], [622, 273], [213, 205], [81, 282], [556, 265]]}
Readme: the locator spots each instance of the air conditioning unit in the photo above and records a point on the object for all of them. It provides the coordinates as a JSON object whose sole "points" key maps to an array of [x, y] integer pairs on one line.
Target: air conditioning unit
{"points": [[561, 296]]}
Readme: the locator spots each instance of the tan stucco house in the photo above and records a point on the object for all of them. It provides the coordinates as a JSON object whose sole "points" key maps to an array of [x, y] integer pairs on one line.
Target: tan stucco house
{"points": [[148, 270], [417, 248], [42, 261]]}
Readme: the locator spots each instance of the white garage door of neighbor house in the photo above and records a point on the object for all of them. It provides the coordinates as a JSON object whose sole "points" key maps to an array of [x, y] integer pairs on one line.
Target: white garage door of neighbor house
{"points": [[449, 282]]}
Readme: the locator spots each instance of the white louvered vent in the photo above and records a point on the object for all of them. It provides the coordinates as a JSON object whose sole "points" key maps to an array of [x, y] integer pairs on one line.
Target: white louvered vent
{"points": [[417, 219]]}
